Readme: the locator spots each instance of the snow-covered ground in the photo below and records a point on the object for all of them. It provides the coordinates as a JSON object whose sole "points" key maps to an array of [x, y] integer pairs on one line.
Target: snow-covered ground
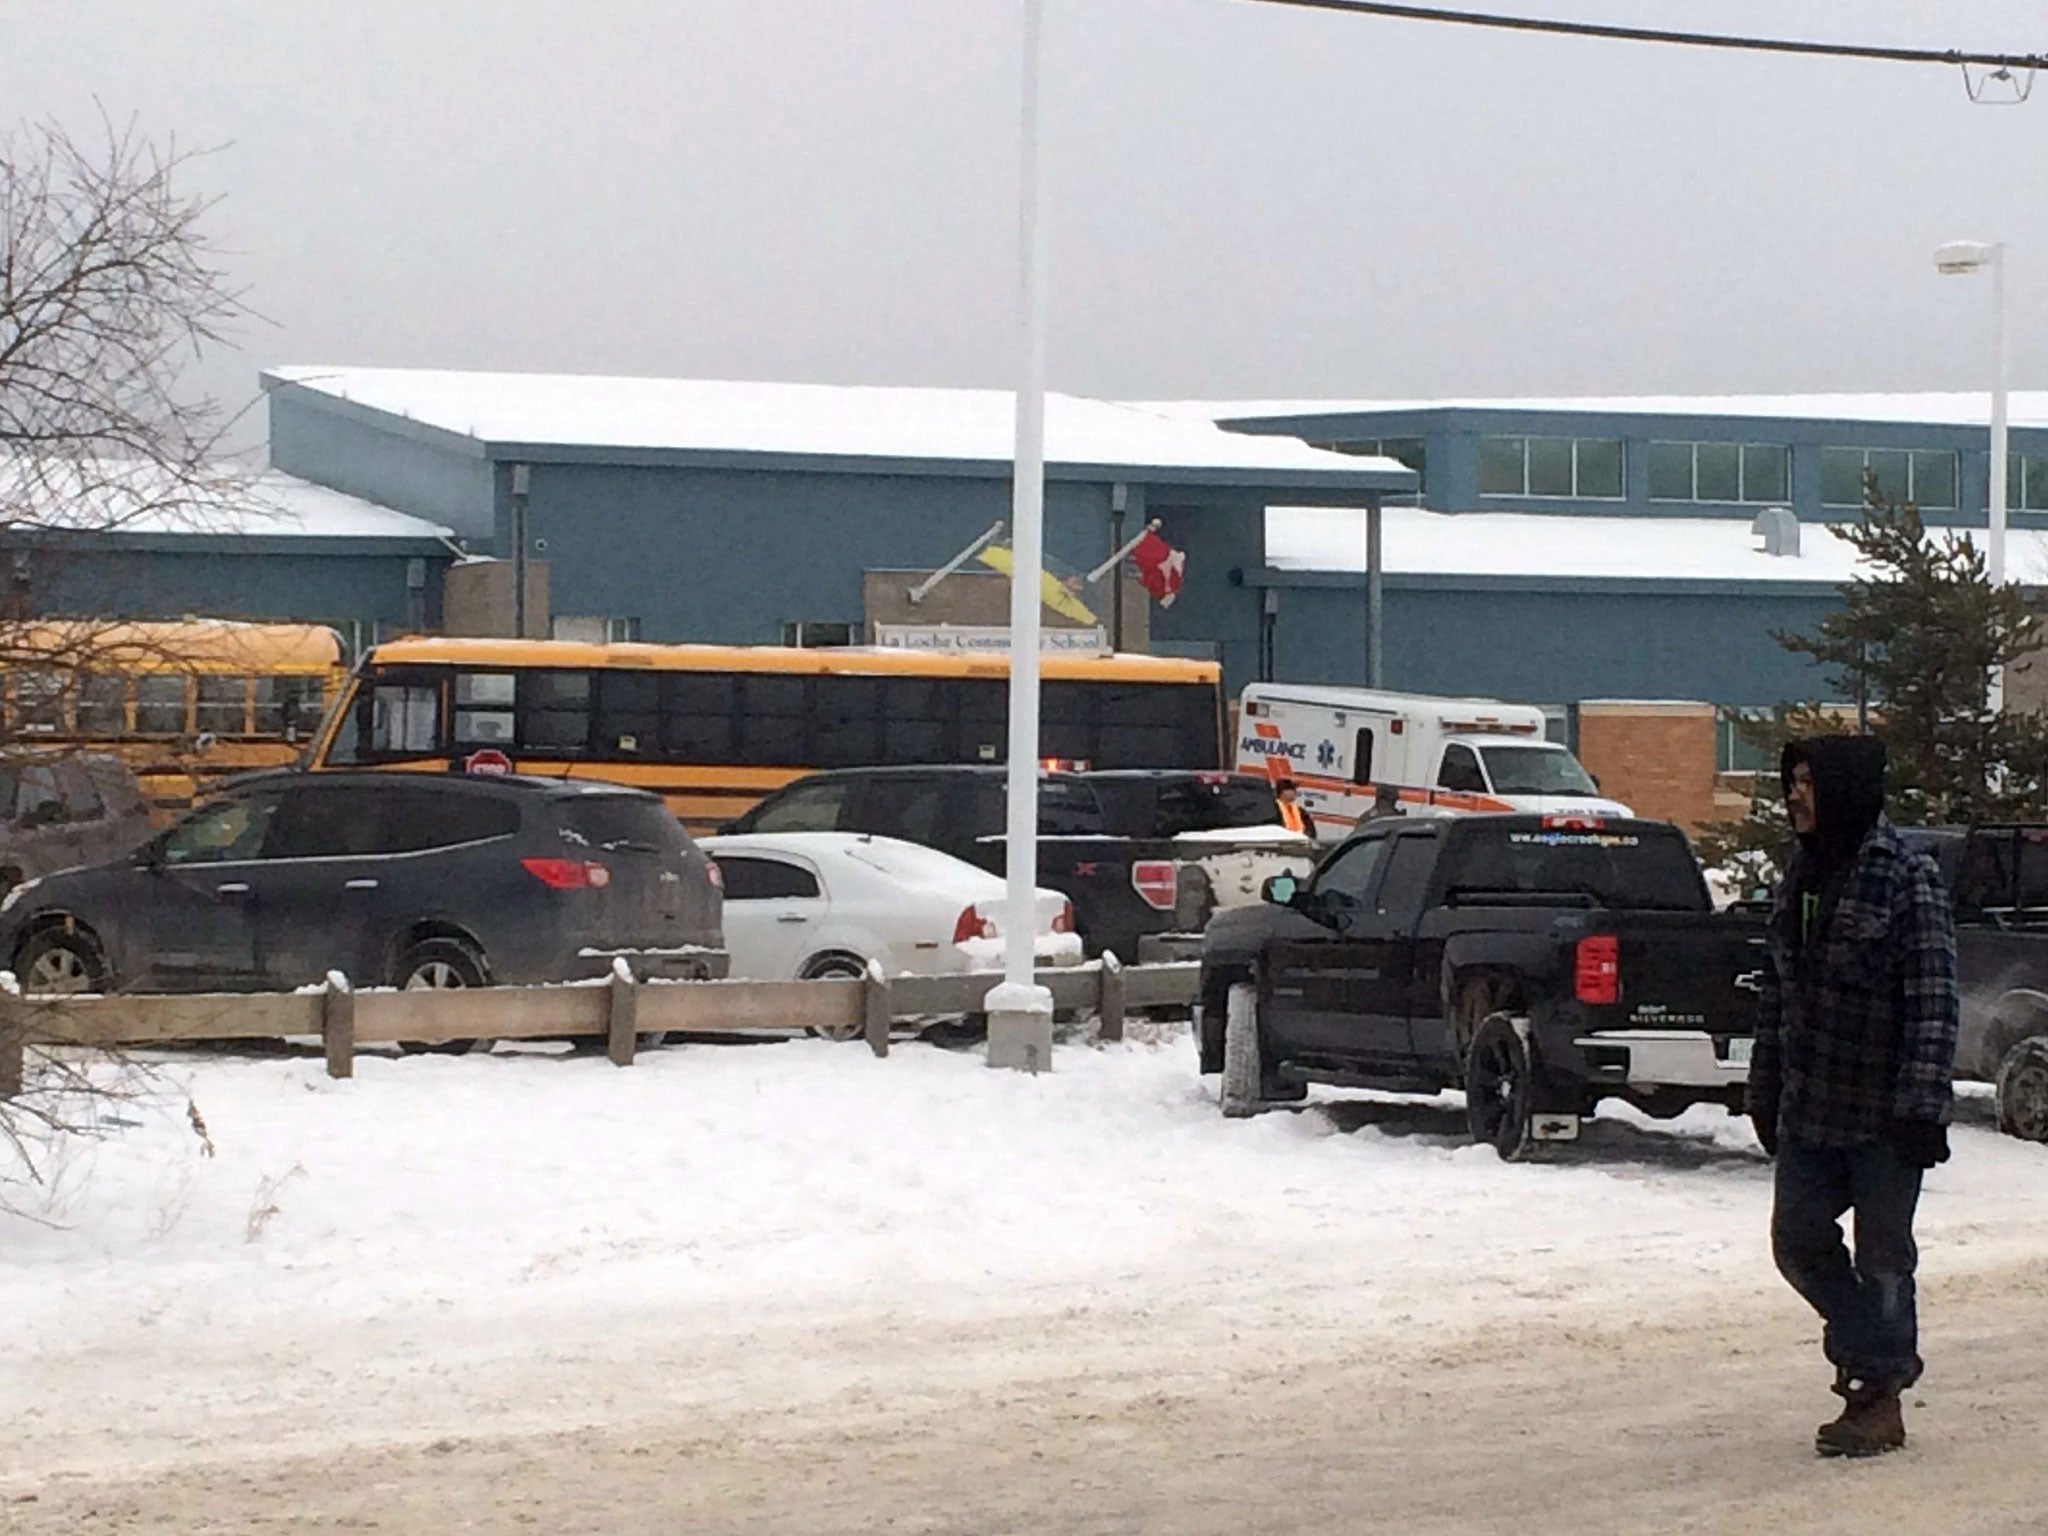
{"points": [[806, 1186]]}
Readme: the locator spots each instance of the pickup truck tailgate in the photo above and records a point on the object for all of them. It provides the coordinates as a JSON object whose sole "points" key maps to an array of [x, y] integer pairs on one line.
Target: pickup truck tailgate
{"points": [[1683, 990], [1683, 970]]}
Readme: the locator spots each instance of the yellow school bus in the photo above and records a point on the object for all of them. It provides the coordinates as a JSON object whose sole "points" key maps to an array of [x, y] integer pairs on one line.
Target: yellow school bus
{"points": [[185, 703], [713, 728]]}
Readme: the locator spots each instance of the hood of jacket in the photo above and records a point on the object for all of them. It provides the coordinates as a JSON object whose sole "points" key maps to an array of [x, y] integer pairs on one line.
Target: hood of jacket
{"points": [[1848, 792]]}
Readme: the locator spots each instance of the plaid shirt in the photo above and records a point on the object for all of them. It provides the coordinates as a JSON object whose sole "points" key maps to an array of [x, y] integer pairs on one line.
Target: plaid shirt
{"points": [[1860, 1031]]}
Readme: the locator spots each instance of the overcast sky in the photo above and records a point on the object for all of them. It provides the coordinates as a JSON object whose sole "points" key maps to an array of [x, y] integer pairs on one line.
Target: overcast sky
{"points": [[1246, 200]]}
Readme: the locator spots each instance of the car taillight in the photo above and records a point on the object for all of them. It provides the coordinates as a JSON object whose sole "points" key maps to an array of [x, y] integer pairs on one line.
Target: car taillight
{"points": [[568, 874], [1157, 881], [972, 925], [1064, 921], [714, 874], [1597, 974]]}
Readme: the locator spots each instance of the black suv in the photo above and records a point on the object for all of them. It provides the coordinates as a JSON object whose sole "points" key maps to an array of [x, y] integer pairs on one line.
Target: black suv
{"points": [[405, 880]]}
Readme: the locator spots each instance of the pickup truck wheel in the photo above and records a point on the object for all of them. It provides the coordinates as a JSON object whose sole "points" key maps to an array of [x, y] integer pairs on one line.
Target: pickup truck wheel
{"points": [[1500, 1089], [1242, 1067], [2023, 1091]]}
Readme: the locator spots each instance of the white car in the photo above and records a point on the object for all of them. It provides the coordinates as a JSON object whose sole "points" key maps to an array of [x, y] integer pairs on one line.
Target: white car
{"points": [[809, 904]]}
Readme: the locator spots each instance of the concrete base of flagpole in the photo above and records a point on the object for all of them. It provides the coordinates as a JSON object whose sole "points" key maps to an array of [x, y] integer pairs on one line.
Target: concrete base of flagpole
{"points": [[1019, 1027]]}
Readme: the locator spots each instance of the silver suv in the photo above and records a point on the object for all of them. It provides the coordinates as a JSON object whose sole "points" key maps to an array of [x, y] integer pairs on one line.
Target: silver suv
{"points": [[57, 812]]}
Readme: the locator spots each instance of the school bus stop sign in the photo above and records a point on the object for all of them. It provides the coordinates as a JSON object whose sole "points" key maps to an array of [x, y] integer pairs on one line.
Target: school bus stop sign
{"points": [[488, 761]]}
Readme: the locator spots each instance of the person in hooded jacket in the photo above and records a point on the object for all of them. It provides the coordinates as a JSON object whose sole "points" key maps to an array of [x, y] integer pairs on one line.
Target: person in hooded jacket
{"points": [[1849, 1082]]}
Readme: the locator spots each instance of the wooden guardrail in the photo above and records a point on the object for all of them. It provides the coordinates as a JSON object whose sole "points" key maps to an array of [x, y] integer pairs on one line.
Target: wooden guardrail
{"points": [[621, 1010]]}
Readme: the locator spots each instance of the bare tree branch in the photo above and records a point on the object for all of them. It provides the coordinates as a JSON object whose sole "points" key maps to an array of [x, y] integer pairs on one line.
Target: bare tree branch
{"points": [[110, 288]]}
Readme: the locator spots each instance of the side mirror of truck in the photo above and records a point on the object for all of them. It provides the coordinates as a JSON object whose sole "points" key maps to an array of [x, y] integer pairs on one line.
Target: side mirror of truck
{"points": [[1282, 890]]}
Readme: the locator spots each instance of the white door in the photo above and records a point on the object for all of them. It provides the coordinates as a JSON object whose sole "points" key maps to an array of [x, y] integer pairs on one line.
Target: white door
{"points": [[774, 908]]}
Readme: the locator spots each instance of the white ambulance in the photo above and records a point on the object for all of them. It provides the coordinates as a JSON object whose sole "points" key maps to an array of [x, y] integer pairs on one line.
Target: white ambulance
{"points": [[1440, 756]]}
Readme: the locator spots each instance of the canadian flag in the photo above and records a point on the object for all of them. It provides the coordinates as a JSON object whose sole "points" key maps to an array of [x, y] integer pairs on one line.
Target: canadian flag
{"points": [[1160, 567]]}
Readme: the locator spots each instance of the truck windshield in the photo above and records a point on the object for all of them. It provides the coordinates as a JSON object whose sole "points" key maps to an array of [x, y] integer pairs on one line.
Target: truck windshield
{"points": [[1621, 866], [1536, 770]]}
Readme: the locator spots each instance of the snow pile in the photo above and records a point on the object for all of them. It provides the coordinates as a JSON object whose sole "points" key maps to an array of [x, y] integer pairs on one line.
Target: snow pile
{"points": [[1048, 948], [811, 1173]]}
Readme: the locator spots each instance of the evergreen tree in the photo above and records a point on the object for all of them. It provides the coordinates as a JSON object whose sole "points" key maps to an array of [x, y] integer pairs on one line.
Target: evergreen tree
{"points": [[1915, 645]]}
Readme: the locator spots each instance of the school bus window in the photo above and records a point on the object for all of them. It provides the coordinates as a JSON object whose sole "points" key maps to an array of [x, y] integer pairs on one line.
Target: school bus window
{"points": [[984, 719], [696, 716], [846, 726], [772, 719], [102, 705], [984, 698], [404, 718], [484, 713], [916, 720], [287, 706], [556, 709], [629, 713], [222, 706], [1067, 722], [38, 702], [159, 705]]}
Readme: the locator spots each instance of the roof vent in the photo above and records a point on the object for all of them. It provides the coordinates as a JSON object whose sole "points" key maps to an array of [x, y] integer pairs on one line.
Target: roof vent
{"points": [[1780, 529]]}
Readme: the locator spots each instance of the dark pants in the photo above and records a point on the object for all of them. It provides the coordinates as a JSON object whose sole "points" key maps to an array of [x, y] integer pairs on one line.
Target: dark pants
{"points": [[1872, 1330]]}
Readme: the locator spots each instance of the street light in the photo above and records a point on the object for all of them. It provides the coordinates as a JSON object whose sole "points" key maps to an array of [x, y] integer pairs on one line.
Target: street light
{"points": [[1961, 258], [1019, 1010]]}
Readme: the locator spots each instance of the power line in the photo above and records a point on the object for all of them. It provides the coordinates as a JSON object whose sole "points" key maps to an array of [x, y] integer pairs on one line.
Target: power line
{"points": [[1950, 56]]}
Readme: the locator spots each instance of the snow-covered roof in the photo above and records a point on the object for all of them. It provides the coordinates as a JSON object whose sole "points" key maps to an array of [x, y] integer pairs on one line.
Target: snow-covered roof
{"points": [[103, 496], [824, 420], [1416, 541], [286, 506], [1955, 408]]}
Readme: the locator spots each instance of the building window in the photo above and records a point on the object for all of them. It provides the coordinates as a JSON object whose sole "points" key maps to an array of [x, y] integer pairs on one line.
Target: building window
{"points": [[832, 632], [593, 629], [1586, 468], [1924, 476], [1726, 472], [2026, 482], [1734, 752], [1410, 451]]}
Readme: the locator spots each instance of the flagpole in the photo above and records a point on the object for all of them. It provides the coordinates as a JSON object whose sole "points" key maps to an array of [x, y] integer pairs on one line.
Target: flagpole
{"points": [[1122, 554], [923, 589], [1019, 1010]]}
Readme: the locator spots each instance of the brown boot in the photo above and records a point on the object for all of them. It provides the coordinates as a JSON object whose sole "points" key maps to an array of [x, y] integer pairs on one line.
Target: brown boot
{"points": [[1871, 1421]]}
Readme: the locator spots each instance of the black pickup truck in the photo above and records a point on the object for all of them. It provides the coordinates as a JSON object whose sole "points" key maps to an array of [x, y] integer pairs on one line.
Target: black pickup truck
{"points": [[1541, 963], [1997, 877]]}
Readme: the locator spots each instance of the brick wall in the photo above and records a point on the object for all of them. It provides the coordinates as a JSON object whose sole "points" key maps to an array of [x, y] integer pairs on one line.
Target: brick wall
{"points": [[1656, 758]]}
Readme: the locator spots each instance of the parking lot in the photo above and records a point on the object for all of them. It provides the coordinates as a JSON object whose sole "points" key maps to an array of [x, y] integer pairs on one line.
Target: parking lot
{"points": [[802, 1289]]}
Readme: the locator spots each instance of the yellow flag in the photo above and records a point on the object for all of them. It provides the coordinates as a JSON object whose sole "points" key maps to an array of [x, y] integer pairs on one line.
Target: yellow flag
{"points": [[1057, 597]]}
